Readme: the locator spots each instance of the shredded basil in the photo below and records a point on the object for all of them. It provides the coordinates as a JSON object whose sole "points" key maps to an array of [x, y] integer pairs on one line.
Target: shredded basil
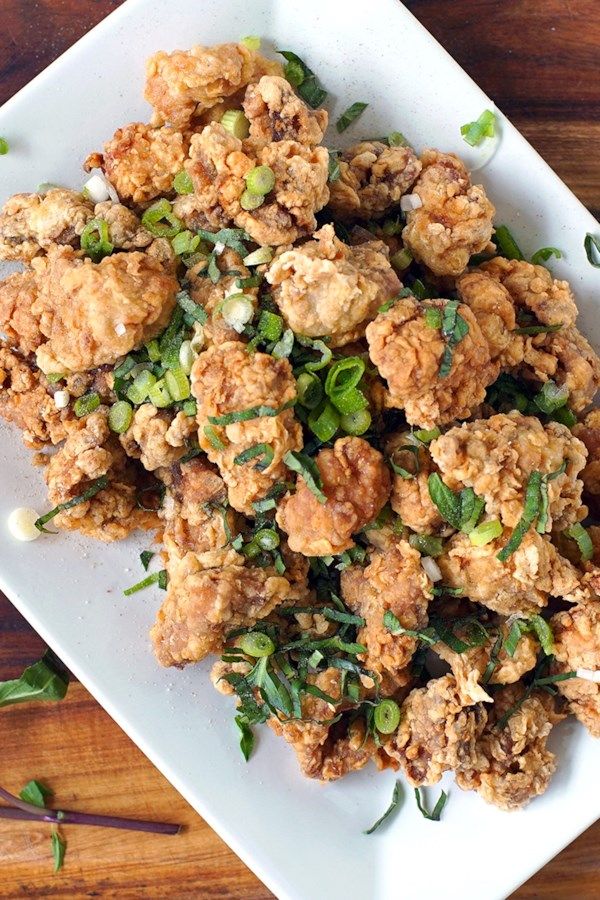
{"points": [[582, 538], [333, 169], [454, 329], [308, 469], [350, 115], [591, 245], [44, 680], [436, 812], [396, 801], [303, 79], [247, 736], [254, 412], [145, 557], [543, 255], [538, 329], [261, 450], [507, 244], [461, 509], [95, 487]]}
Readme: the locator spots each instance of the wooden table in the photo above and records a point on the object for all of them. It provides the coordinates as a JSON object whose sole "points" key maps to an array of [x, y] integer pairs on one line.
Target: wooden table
{"points": [[539, 61]]}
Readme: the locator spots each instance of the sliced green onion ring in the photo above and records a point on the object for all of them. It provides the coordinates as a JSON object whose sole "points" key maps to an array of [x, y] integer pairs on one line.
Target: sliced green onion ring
{"points": [[256, 644], [324, 421], [583, 540], [120, 416], [356, 423], [485, 533], [260, 180], [235, 122], [85, 405], [386, 716]]}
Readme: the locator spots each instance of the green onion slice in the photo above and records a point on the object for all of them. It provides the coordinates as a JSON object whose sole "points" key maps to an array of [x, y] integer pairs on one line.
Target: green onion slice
{"points": [[3, 146], [356, 423], [160, 221], [120, 416], [308, 469], [344, 375], [95, 240], [310, 390], [551, 397], [235, 122], [387, 716], [85, 405], [324, 421], [578, 533], [485, 126], [159, 578], [257, 644], [95, 487], [425, 436], [485, 533], [400, 470], [543, 255], [350, 115], [260, 180], [182, 183], [426, 544]]}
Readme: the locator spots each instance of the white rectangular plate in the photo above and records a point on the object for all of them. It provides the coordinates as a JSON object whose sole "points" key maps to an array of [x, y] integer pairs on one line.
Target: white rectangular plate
{"points": [[303, 839]]}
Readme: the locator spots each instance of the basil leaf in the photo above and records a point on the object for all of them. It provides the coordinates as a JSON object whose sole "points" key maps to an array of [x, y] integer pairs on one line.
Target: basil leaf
{"points": [[392, 623], [436, 812], [531, 510], [95, 487], [247, 736], [333, 167], [36, 793], [507, 244], [59, 847], [254, 412], [592, 249], [396, 800], [44, 680], [350, 115], [543, 255], [145, 557], [454, 329], [308, 469], [303, 79]]}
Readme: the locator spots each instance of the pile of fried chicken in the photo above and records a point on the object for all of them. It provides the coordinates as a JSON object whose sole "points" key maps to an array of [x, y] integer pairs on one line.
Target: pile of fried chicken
{"points": [[333, 554]]}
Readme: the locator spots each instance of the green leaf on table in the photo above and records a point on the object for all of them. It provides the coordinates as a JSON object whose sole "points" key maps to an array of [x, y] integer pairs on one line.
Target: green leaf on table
{"points": [[36, 793], [59, 847], [44, 680]]}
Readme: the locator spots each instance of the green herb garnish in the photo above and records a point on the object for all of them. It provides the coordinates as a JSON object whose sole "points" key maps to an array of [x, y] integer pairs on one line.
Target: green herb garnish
{"points": [[543, 255], [35, 793], [396, 800], [59, 847], [581, 537], [308, 469], [193, 309], [507, 244], [592, 249], [96, 486], [350, 115], [461, 509], [454, 329], [145, 557], [254, 412], [474, 132], [303, 79], [159, 578], [44, 680], [436, 812]]}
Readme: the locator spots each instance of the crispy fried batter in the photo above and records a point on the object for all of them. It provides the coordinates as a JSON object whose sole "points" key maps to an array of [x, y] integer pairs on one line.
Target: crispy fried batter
{"points": [[533, 288], [18, 293], [325, 287], [410, 496], [276, 113], [455, 220], [227, 379], [437, 732], [512, 765], [82, 306], [125, 229], [156, 438], [372, 179], [394, 580], [408, 354], [496, 456], [356, 484], [568, 358], [211, 296], [494, 310], [32, 222], [588, 431], [577, 646]]}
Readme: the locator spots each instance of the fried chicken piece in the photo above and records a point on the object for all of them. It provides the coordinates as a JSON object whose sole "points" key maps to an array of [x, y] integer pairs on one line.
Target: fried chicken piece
{"points": [[588, 431], [568, 358], [533, 288], [91, 314], [577, 646], [496, 456], [32, 222], [156, 438], [325, 287], [519, 586], [18, 293], [211, 296], [185, 83], [90, 452], [455, 220], [276, 113], [217, 166], [125, 229], [356, 485], [410, 496], [394, 580], [408, 353], [469, 667], [494, 310], [373, 178], [512, 764], [437, 732], [226, 379], [141, 161]]}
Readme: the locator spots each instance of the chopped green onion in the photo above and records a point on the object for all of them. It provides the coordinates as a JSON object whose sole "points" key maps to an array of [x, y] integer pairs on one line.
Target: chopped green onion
{"points": [[54, 377], [270, 325], [257, 644], [433, 318], [485, 533], [426, 544], [349, 402], [333, 168], [474, 132], [350, 115], [551, 397], [324, 421], [182, 183], [321, 348], [213, 438], [193, 309], [266, 539], [3, 146], [543, 255], [159, 394], [120, 416], [507, 244], [356, 423], [310, 390], [250, 201], [396, 800], [160, 221], [344, 375], [254, 412], [304, 79], [538, 329], [578, 533], [531, 509], [436, 812], [263, 450], [591, 245], [397, 139], [427, 436], [153, 350], [564, 416], [259, 257], [184, 242], [177, 383], [251, 42], [308, 469], [284, 346], [260, 180], [237, 310], [159, 578], [401, 259], [95, 240], [95, 487], [139, 389], [386, 716], [231, 237], [85, 405], [186, 357]]}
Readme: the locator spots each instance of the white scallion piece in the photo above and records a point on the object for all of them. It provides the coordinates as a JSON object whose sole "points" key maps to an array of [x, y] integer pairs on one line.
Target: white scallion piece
{"points": [[219, 247], [61, 399], [186, 357], [99, 188], [410, 202], [21, 523], [431, 568], [237, 311], [589, 675], [198, 340]]}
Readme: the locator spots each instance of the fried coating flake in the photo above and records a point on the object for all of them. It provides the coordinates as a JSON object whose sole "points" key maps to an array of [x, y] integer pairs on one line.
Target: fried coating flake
{"points": [[410, 496], [568, 358], [82, 307], [18, 293], [408, 353], [437, 732], [356, 484], [325, 287], [32, 222], [494, 309], [496, 456], [125, 230], [89, 452], [276, 113], [577, 646], [534, 289], [156, 438], [512, 765], [588, 431], [455, 219], [373, 178], [226, 379], [393, 580]]}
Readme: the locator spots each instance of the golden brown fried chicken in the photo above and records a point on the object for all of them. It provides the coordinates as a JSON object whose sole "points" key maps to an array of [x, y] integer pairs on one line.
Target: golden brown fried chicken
{"points": [[276, 113], [373, 178], [576, 647], [211, 296], [228, 380], [325, 287], [455, 219], [437, 732], [393, 580], [185, 83], [512, 764], [141, 161], [534, 289], [356, 485], [32, 222], [91, 314], [408, 353], [569, 359], [218, 164], [91, 451], [18, 293], [519, 586], [410, 495], [496, 456], [494, 310], [125, 230], [156, 438], [588, 431]]}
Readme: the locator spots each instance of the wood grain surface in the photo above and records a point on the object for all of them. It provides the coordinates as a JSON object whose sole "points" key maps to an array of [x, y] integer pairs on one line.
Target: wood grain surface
{"points": [[539, 62]]}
